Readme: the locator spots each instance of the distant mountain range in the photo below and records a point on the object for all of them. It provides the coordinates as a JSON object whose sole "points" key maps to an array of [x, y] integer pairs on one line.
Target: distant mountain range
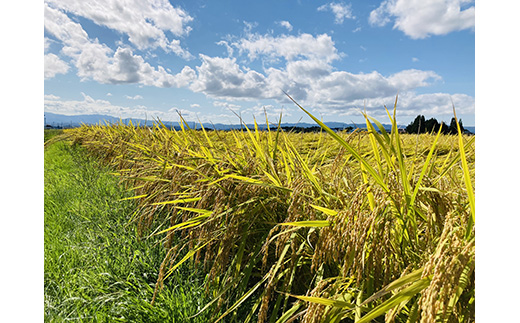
{"points": [[60, 120]]}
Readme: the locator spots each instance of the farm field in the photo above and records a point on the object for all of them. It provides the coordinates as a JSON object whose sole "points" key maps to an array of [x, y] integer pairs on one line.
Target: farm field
{"points": [[273, 226]]}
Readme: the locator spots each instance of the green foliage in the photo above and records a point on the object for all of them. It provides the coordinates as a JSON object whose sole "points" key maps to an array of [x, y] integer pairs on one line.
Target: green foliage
{"points": [[50, 133], [95, 267]]}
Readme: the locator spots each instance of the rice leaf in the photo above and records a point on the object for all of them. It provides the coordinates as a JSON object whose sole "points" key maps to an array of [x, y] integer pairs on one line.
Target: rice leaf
{"points": [[326, 301], [287, 315], [401, 296], [185, 258], [134, 197], [243, 298], [398, 283], [350, 149], [467, 178], [313, 224], [195, 199], [324, 210]]}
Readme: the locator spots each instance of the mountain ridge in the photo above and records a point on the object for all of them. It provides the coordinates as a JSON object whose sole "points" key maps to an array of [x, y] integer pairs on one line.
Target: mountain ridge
{"points": [[66, 121]]}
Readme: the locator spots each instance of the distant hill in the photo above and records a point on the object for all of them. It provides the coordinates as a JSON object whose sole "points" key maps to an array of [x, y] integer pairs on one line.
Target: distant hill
{"points": [[54, 119], [60, 120], [470, 129]]}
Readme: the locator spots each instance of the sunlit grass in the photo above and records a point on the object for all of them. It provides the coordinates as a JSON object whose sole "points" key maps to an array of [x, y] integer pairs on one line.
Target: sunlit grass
{"points": [[95, 267]]}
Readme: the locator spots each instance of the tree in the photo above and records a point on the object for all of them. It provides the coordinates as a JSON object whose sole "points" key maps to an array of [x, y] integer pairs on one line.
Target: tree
{"points": [[431, 125], [453, 126], [420, 125], [417, 126]]}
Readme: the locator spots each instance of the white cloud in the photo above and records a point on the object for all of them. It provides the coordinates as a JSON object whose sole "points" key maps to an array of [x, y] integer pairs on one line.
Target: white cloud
{"points": [[98, 62], [379, 17], [308, 75], [229, 49], [341, 11], [189, 115], [304, 70], [344, 90], [194, 106], [54, 65], [415, 59], [409, 104], [144, 22], [286, 24], [222, 77], [432, 104], [135, 97], [109, 94], [411, 79], [51, 97], [90, 105], [420, 19], [249, 26], [46, 44], [226, 105], [259, 111], [289, 47], [312, 82]]}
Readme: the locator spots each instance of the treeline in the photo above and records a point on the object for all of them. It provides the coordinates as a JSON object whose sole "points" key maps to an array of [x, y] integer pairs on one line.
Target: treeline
{"points": [[421, 125]]}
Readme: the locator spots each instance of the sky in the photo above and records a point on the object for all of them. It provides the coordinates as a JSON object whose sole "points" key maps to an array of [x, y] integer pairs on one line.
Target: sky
{"points": [[213, 60]]}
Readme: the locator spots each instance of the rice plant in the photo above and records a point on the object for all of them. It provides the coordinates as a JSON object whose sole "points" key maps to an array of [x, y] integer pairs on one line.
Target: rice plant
{"points": [[316, 227]]}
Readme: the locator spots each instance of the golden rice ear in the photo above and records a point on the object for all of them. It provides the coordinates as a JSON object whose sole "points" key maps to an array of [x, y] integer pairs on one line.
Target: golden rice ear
{"points": [[317, 226]]}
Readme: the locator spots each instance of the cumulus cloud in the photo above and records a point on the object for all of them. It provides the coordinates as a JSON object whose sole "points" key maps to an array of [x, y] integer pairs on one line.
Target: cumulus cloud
{"points": [[98, 62], [344, 90], [54, 65], [307, 75], [304, 69], [288, 47], [313, 82], [144, 22], [222, 77], [420, 19], [341, 11]]}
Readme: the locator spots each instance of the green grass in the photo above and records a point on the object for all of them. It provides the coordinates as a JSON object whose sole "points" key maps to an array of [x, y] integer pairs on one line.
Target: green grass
{"points": [[50, 133], [95, 267]]}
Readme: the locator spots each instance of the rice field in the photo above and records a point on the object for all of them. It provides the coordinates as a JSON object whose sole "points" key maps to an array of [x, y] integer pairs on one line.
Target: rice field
{"points": [[368, 226]]}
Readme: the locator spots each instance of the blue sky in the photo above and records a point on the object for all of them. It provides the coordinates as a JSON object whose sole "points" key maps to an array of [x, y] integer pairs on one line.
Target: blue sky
{"points": [[209, 59]]}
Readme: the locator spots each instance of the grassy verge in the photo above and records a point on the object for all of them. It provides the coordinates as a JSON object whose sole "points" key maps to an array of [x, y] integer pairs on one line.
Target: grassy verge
{"points": [[50, 133], [95, 267]]}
